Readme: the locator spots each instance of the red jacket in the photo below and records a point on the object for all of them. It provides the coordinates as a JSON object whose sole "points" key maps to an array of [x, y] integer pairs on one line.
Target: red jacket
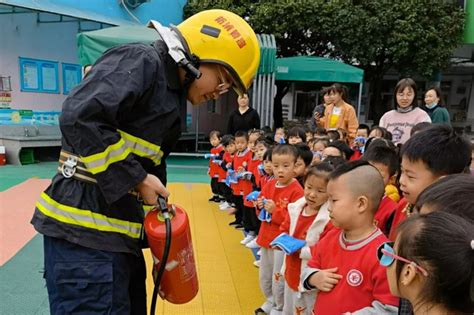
{"points": [[282, 196], [386, 209], [213, 167], [400, 216]]}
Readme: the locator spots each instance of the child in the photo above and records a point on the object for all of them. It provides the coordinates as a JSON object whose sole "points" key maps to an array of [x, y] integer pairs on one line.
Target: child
{"points": [[305, 157], [279, 136], [318, 148], [296, 135], [241, 161], [278, 193], [426, 157], [453, 194], [363, 131], [432, 263], [344, 266], [250, 220], [228, 141], [217, 148], [309, 134], [385, 160], [333, 135], [307, 220]]}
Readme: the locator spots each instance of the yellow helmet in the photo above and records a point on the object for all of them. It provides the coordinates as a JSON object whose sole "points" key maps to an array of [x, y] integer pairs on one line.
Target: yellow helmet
{"points": [[222, 37]]}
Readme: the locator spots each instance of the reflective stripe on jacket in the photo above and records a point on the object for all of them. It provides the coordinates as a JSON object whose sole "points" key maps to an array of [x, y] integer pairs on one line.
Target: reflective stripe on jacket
{"points": [[122, 120]]}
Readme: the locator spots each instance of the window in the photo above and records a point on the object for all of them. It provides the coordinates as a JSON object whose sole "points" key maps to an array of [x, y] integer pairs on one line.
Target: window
{"points": [[39, 76], [72, 74]]}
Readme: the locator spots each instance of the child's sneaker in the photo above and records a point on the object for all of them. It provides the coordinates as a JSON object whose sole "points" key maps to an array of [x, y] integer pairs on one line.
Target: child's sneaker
{"points": [[259, 253], [247, 239], [234, 223], [214, 198], [252, 244], [224, 205], [257, 263], [239, 227]]}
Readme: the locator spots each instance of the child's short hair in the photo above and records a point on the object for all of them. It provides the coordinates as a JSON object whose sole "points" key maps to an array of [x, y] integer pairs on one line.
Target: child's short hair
{"points": [[215, 133], [452, 193], [297, 132], [304, 152], [419, 127], [364, 180], [364, 127], [343, 148], [320, 131], [242, 134], [256, 131], [333, 135], [323, 169], [383, 155], [440, 149], [267, 156], [227, 139], [266, 141], [380, 142], [441, 242], [383, 132], [285, 149]]}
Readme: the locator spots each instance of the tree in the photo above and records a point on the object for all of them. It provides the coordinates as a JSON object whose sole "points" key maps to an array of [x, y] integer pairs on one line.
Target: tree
{"points": [[409, 36]]}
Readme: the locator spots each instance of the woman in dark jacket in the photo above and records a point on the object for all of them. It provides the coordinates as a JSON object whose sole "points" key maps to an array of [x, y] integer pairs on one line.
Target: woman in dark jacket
{"points": [[434, 107], [243, 118]]}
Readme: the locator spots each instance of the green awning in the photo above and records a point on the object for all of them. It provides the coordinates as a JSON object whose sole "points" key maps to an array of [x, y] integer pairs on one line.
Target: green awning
{"points": [[305, 68], [92, 44]]}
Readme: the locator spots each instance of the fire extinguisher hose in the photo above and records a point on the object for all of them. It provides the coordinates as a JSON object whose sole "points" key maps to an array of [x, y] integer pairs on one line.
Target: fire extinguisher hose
{"points": [[164, 259]]}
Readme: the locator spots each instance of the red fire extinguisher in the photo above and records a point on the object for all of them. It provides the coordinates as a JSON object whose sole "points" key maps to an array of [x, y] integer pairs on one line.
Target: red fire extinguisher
{"points": [[169, 238]]}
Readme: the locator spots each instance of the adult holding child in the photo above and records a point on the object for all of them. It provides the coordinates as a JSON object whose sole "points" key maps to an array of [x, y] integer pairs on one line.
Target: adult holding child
{"points": [[339, 113], [406, 113]]}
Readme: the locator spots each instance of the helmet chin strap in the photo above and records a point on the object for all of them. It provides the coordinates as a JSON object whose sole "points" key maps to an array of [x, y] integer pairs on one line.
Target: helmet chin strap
{"points": [[177, 51]]}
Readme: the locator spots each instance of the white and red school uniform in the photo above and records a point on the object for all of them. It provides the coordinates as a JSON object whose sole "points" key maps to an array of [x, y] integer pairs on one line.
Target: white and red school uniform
{"points": [[401, 214], [298, 300], [364, 284], [271, 261]]}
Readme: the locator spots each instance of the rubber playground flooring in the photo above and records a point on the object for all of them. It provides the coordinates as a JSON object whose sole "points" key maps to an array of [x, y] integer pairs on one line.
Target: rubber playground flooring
{"points": [[228, 281]]}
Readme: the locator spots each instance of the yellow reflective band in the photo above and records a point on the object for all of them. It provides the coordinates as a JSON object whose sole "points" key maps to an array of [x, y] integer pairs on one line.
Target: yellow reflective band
{"points": [[86, 218], [99, 162], [142, 147]]}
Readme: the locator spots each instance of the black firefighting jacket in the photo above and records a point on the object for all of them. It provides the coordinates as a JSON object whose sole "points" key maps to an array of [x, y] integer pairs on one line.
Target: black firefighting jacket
{"points": [[122, 121]]}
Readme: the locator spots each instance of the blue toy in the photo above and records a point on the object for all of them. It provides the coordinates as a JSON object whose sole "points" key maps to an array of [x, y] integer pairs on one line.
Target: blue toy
{"points": [[217, 161], [210, 156], [282, 141], [287, 243], [231, 177], [252, 196], [261, 169]]}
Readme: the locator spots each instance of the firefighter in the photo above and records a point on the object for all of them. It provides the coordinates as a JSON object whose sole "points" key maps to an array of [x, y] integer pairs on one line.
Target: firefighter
{"points": [[118, 126]]}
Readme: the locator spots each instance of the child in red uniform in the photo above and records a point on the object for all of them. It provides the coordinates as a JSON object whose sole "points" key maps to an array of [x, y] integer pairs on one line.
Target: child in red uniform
{"points": [[307, 220], [278, 193], [256, 168], [344, 265], [247, 185], [228, 141], [426, 157], [240, 164], [217, 148], [385, 160]]}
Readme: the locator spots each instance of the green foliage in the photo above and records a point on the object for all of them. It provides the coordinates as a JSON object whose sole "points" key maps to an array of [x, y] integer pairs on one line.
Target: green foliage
{"points": [[413, 37]]}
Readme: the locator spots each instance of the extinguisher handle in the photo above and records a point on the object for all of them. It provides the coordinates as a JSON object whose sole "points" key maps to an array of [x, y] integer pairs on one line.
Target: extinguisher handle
{"points": [[163, 204]]}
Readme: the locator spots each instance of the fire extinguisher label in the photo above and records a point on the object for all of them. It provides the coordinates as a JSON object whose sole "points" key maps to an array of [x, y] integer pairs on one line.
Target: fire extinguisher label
{"points": [[186, 263]]}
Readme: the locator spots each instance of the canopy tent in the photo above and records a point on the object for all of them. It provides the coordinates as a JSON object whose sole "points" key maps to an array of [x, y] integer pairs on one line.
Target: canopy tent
{"points": [[307, 68], [92, 44]]}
